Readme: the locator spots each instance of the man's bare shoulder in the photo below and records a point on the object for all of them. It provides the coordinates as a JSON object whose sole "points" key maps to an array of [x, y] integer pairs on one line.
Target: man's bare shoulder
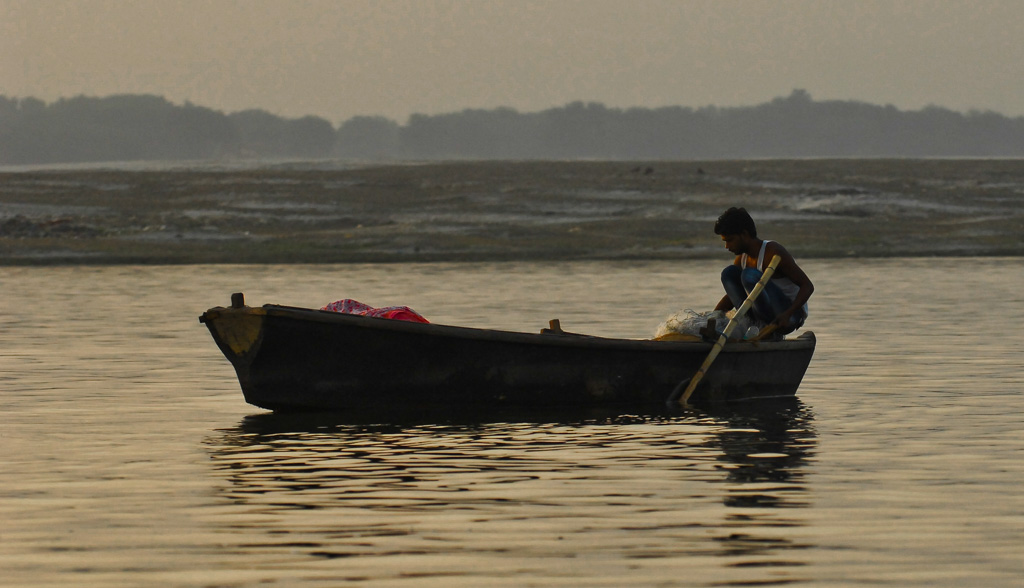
{"points": [[775, 248]]}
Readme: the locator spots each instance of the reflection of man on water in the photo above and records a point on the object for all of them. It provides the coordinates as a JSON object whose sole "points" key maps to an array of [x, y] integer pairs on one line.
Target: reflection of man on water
{"points": [[783, 301]]}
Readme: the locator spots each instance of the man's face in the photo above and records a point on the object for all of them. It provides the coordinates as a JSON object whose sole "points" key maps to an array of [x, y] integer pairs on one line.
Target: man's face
{"points": [[736, 244]]}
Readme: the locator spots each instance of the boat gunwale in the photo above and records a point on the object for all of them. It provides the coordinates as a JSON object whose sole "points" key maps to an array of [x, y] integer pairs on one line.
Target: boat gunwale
{"points": [[805, 340]]}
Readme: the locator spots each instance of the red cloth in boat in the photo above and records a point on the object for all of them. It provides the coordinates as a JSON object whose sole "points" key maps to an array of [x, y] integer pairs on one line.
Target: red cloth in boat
{"points": [[399, 313]]}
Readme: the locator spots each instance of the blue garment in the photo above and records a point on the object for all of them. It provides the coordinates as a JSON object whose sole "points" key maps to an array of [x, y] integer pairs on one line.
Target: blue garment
{"points": [[771, 303]]}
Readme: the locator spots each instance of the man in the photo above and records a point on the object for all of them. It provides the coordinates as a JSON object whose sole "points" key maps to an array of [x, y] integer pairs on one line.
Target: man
{"points": [[783, 302]]}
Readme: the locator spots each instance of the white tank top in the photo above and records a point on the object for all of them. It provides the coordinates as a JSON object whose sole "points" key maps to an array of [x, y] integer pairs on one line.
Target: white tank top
{"points": [[785, 284]]}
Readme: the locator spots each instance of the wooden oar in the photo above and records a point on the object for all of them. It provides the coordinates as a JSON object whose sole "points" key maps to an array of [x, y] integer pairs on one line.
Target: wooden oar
{"points": [[691, 384]]}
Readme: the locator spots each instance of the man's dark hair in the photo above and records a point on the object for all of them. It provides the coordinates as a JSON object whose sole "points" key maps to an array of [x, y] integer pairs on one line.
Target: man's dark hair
{"points": [[734, 221]]}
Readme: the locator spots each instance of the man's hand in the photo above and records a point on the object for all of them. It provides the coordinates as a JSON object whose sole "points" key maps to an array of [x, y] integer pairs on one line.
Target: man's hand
{"points": [[782, 321]]}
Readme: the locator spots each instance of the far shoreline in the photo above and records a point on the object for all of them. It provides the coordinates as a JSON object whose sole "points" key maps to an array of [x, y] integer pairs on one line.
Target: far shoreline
{"points": [[508, 211], [468, 260]]}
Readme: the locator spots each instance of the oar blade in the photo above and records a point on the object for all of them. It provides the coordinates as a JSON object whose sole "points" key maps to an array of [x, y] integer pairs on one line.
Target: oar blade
{"points": [[673, 398]]}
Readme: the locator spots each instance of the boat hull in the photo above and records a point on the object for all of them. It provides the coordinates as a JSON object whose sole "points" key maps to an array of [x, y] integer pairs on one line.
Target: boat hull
{"points": [[292, 359]]}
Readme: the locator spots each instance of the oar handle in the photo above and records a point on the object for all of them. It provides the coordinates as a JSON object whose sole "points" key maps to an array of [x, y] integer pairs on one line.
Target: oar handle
{"points": [[742, 310]]}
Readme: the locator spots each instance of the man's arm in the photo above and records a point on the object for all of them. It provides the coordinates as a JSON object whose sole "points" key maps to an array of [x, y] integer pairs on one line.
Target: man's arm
{"points": [[788, 268]]}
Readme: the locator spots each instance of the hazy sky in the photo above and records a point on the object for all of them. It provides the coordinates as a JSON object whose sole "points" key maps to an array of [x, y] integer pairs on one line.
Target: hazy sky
{"points": [[341, 58]]}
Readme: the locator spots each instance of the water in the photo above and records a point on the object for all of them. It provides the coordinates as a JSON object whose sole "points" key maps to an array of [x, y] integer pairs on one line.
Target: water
{"points": [[130, 459]]}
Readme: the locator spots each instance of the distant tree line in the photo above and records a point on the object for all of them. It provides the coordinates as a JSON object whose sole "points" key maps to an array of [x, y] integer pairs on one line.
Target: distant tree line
{"points": [[141, 127]]}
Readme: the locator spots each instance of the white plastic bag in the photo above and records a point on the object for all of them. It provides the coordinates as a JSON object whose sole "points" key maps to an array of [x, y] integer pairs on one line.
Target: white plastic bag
{"points": [[690, 322]]}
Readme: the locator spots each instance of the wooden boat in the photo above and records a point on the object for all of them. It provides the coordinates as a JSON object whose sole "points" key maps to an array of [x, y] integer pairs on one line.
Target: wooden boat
{"points": [[295, 359]]}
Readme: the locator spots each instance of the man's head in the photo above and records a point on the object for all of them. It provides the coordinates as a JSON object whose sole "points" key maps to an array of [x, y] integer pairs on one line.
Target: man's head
{"points": [[737, 230], [734, 221]]}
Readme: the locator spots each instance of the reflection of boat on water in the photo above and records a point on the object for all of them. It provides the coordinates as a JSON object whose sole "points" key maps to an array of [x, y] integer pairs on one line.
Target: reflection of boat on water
{"points": [[766, 453], [300, 359], [722, 483]]}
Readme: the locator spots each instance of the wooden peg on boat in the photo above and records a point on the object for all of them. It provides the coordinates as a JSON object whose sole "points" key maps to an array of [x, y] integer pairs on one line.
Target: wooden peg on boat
{"points": [[709, 333], [554, 327]]}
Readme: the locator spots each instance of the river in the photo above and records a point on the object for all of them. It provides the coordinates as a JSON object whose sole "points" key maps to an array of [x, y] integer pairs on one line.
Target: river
{"points": [[130, 458]]}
